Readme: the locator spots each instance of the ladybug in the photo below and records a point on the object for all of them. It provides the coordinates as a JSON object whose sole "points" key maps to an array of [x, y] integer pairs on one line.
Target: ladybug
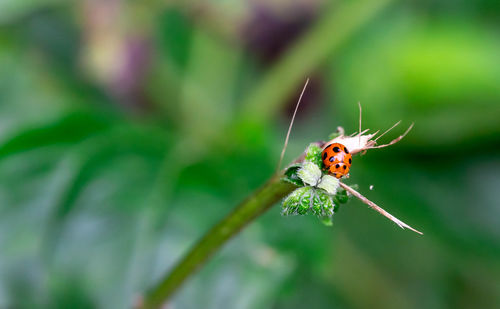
{"points": [[337, 159]]}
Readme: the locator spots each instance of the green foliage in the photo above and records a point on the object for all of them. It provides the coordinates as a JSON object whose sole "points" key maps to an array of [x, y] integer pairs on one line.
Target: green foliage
{"points": [[291, 174], [308, 200], [317, 191], [310, 173], [342, 197], [313, 154]]}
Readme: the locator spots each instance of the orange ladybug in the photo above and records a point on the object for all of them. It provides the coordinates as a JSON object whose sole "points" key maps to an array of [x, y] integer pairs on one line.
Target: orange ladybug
{"points": [[337, 159]]}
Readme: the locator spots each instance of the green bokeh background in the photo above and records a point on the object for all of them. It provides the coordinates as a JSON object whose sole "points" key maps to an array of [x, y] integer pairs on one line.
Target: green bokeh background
{"points": [[129, 128]]}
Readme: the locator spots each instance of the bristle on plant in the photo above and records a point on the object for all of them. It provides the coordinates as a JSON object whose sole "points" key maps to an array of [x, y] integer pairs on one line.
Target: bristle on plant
{"points": [[379, 209], [362, 141]]}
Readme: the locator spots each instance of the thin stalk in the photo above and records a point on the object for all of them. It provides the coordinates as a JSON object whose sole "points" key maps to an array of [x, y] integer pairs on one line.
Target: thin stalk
{"points": [[256, 204]]}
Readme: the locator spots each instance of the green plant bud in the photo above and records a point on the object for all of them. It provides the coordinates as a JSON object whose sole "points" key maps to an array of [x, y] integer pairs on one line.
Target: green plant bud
{"points": [[341, 196], [328, 206], [291, 175], [329, 183], [313, 154], [291, 202], [310, 173], [303, 207], [316, 205], [290, 209], [327, 203], [310, 200], [335, 207]]}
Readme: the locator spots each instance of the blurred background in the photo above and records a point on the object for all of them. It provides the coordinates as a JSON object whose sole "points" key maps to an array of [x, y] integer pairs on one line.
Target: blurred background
{"points": [[129, 128]]}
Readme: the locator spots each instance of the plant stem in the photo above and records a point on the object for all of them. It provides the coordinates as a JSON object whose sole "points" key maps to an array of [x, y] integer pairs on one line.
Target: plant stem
{"points": [[256, 204]]}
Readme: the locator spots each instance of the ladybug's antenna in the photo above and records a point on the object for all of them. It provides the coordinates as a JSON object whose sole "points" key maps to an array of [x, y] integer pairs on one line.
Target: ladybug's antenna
{"points": [[291, 124]]}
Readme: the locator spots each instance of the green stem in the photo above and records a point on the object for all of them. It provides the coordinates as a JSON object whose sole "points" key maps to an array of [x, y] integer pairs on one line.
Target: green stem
{"points": [[256, 204]]}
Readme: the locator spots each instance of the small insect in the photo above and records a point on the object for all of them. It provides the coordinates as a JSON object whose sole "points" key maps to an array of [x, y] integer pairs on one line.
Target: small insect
{"points": [[337, 159]]}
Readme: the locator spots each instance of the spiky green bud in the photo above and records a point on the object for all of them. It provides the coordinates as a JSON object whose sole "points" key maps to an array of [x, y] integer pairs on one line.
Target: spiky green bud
{"points": [[310, 173], [313, 154], [309, 200], [329, 183], [292, 176]]}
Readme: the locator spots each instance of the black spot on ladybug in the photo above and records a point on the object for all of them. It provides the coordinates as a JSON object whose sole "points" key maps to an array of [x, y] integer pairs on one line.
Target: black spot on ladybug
{"points": [[350, 161], [336, 149], [337, 165], [345, 149], [331, 159], [345, 166], [324, 156]]}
